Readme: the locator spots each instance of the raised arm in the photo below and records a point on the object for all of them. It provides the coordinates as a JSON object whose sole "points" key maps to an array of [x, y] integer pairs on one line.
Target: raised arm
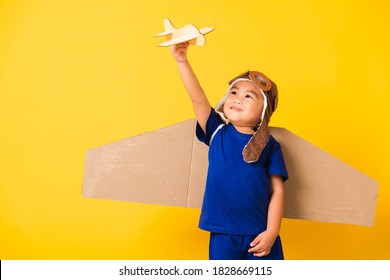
{"points": [[199, 99]]}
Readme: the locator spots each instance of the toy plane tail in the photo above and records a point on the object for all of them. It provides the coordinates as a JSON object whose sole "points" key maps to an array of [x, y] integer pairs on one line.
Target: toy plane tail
{"points": [[169, 28]]}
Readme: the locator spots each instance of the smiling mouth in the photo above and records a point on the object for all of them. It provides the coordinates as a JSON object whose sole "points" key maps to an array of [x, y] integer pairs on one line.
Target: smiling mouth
{"points": [[235, 109]]}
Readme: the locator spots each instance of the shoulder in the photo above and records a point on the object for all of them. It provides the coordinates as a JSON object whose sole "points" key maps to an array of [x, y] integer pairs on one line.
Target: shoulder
{"points": [[213, 124], [274, 144], [276, 164]]}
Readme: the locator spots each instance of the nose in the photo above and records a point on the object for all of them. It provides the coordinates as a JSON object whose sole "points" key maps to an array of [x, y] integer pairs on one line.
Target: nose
{"points": [[237, 100]]}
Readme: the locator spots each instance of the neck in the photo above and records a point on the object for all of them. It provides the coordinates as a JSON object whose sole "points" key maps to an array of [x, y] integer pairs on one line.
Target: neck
{"points": [[244, 129]]}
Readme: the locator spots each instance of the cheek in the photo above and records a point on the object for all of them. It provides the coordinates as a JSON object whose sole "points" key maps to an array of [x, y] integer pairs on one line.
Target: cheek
{"points": [[228, 99], [256, 109], [225, 111], [260, 105], [224, 107]]}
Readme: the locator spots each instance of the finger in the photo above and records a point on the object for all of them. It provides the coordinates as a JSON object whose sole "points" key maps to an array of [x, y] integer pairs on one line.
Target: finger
{"points": [[256, 249], [181, 48], [256, 241], [183, 45], [261, 254]]}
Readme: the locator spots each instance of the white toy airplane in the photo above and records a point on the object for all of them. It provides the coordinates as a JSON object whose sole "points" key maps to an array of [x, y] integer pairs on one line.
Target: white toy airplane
{"points": [[187, 33]]}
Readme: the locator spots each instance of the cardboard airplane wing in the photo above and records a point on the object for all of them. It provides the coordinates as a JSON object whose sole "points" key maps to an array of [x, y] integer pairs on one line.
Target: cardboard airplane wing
{"points": [[168, 167]]}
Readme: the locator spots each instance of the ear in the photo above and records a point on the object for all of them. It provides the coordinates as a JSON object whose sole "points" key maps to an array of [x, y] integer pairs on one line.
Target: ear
{"points": [[273, 96]]}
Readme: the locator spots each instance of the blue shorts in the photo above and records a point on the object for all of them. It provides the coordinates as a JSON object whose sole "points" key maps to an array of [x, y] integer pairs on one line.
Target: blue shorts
{"points": [[235, 247]]}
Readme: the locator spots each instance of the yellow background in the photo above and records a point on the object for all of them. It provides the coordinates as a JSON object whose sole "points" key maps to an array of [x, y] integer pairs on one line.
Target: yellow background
{"points": [[78, 74]]}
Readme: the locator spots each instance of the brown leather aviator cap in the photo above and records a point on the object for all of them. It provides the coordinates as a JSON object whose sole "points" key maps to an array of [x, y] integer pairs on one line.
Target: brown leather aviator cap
{"points": [[256, 144]]}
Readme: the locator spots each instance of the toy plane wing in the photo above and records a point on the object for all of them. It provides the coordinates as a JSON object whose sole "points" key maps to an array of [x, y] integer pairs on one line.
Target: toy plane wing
{"points": [[169, 166], [188, 33]]}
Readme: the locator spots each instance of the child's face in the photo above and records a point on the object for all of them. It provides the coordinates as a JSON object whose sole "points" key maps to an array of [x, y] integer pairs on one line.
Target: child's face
{"points": [[244, 104]]}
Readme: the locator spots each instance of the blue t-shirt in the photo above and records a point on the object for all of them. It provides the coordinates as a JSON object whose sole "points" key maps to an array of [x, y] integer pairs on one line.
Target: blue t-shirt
{"points": [[237, 193]]}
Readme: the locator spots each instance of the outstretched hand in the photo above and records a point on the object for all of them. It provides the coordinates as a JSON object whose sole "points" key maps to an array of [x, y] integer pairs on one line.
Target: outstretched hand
{"points": [[179, 51]]}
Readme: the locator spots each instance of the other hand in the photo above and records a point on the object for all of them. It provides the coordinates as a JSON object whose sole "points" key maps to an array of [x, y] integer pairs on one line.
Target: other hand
{"points": [[262, 244]]}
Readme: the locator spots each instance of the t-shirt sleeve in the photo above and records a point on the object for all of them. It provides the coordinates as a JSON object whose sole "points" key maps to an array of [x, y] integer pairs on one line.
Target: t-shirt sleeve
{"points": [[213, 122], [276, 163]]}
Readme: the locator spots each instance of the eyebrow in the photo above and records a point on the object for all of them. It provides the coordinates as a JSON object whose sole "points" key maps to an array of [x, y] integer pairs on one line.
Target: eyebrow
{"points": [[254, 92]]}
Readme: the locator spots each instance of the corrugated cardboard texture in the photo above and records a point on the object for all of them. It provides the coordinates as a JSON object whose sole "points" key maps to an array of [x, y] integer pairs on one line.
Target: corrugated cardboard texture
{"points": [[149, 168], [168, 166], [323, 188]]}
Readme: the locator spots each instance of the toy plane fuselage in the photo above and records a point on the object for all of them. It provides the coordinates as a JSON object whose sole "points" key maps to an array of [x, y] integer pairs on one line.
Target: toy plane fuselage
{"points": [[188, 33]]}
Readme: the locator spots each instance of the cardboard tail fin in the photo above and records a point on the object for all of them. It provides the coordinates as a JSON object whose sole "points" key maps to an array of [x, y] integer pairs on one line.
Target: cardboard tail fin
{"points": [[168, 25]]}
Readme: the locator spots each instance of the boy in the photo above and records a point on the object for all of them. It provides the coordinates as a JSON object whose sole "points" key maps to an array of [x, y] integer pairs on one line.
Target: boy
{"points": [[244, 195]]}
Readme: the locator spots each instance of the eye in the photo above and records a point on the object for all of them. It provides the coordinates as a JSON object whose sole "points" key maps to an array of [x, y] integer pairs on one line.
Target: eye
{"points": [[233, 92], [249, 96]]}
